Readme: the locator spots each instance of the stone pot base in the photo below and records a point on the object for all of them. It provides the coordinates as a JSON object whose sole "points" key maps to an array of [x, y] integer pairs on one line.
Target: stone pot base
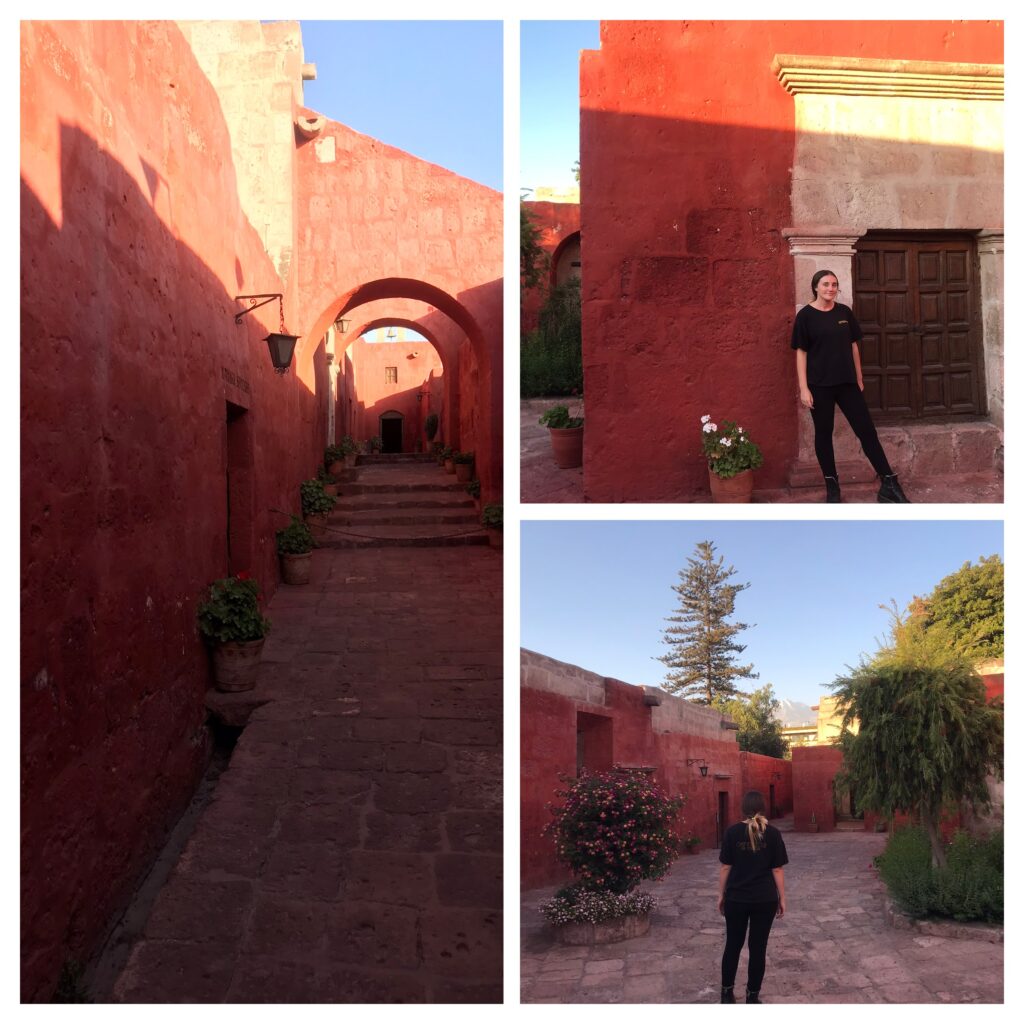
{"points": [[615, 929]]}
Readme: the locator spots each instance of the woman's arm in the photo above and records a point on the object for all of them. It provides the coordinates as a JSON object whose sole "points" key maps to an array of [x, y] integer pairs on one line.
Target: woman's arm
{"points": [[856, 365], [801, 375], [780, 884], [723, 877]]}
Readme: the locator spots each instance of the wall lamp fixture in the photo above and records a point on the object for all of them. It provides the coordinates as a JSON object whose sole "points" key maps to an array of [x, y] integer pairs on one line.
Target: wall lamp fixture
{"points": [[342, 324], [281, 345], [698, 761]]}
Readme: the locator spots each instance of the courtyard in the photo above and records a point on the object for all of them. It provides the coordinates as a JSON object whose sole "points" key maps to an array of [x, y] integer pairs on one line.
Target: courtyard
{"points": [[832, 946]]}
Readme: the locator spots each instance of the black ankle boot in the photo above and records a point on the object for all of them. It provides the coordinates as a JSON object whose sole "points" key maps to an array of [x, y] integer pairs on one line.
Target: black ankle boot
{"points": [[752, 996], [891, 493], [727, 996], [832, 493]]}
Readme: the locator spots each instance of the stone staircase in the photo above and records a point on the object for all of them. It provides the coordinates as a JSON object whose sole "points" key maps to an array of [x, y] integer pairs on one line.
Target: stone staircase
{"points": [[401, 501]]}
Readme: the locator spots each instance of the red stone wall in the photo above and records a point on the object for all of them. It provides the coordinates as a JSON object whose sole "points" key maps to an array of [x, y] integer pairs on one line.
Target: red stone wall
{"points": [[814, 768], [377, 223], [620, 728], [557, 222], [759, 772], [133, 248], [686, 149]]}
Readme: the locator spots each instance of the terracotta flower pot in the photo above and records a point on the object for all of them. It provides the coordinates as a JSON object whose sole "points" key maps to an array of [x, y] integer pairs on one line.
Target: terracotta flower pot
{"points": [[463, 472], [736, 490], [567, 446], [336, 468], [615, 929], [295, 569], [449, 466], [331, 489], [350, 460], [235, 665], [496, 539]]}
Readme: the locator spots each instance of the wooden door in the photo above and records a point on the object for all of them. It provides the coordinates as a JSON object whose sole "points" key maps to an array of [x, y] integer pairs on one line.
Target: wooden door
{"points": [[916, 298]]}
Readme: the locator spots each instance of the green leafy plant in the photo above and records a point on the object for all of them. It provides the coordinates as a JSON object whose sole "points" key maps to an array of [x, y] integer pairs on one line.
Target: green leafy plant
{"points": [[295, 539], [551, 357], [493, 517], [430, 425], [447, 452], [533, 260], [691, 841], [374, 444], [315, 501], [463, 458], [558, 418], [333, 453], [231, 611], [614, 829], [473, 488], [348, 446], [728, 448]]}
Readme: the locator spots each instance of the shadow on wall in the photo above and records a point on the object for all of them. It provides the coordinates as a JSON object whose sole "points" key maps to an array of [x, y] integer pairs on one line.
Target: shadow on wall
{"points": [[688, 282], [131, 365]]}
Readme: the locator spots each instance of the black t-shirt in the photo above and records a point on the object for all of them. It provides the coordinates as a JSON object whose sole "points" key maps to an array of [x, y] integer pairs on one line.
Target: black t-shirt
{"points": [[827, 337], [750, 880]]}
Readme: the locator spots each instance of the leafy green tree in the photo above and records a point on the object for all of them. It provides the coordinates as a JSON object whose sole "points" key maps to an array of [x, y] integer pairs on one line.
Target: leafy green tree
{"points": [[701, 637], [760, 731], [576, 171], [533, 260], [926, 739], [969, 604]]}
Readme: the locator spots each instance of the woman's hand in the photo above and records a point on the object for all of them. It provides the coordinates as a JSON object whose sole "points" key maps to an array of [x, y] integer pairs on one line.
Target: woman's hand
{"points": [[781, 912], [721, 905], [807, 398], [860, 383]]}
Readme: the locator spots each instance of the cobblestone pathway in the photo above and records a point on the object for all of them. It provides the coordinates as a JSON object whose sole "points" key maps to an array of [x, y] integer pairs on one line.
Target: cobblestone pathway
{"points": [[541, 479], [831, 947], [352, 850]]}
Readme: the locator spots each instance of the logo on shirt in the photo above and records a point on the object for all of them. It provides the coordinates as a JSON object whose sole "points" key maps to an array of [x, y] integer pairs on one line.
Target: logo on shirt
{"points": [[841, 322]]}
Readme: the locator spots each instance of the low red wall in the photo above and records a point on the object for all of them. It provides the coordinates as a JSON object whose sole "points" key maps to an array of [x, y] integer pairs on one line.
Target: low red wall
{"points": [[814, 768]]}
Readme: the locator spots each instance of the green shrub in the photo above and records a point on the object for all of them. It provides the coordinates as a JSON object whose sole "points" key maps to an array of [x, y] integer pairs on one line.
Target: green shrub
{"points": [[295, 539], [231, 611], [348, 446], [551, 358], [968, 888], [333, 453], [558, 418], [494, 517], [315, 500], [463, 458], [430, 425], [447, 452], [473, 488]]}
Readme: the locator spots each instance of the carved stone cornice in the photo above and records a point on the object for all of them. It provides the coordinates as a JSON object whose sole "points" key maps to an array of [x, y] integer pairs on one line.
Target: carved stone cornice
{"points": [[826, 241], [865, 76]]}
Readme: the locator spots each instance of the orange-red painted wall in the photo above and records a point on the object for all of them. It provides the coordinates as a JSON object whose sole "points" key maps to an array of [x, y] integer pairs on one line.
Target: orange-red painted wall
{"points": [[814, 768], [620, 730], [686, 149], [556, 222]]}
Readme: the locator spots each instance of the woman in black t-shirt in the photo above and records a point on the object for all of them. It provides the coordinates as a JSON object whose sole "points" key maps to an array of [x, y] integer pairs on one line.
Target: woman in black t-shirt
{"points": [[826, 336], [751, 892]]}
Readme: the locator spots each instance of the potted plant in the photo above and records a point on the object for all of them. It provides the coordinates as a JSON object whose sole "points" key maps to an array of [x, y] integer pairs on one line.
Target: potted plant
{"points": [[329, 486], [812, 825], [316, 506], [430, 425], [448, 458], [351, 450], [691, 842], [295, 549], [437, 450], [613, 830], [463, 466], [566, 433], [732, 458], [230, 621], [493, 520], [374, 445], [334, 459], [473, 490]]}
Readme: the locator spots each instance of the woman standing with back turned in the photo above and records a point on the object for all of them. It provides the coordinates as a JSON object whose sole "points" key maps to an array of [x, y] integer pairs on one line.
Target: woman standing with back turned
{"points": [[751, 892], [826, 337]]}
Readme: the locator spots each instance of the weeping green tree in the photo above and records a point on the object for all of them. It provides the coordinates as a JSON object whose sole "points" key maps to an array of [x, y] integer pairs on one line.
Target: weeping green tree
{"points": [[926, 740], [700, 634]]}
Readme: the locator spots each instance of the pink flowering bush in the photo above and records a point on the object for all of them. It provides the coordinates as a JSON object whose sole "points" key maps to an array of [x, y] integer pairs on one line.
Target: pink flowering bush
{"points": [[728, 448], [614, 830]]}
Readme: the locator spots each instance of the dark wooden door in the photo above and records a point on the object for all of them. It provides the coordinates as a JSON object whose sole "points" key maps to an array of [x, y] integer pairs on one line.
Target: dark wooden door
{"points": [[391, 434], [916, 298]]}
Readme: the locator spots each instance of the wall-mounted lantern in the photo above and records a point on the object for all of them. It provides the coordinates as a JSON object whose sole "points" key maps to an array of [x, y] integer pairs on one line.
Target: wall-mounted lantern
{"points": [[342, 324], [698, 761], [281, 345], [391, 334]]}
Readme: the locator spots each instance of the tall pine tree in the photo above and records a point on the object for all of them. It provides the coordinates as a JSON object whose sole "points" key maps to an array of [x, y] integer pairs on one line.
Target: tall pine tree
{"points": [[702, 640]]}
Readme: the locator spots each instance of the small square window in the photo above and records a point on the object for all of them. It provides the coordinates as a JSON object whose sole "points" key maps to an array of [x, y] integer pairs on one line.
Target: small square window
{"points": [[390, 374]]}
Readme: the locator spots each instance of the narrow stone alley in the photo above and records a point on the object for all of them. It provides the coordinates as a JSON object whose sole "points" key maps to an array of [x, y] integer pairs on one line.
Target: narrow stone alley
{"points": [[352, 849]]}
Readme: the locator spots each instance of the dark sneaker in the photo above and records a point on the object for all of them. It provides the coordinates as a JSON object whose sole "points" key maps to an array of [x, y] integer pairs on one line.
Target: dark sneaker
{"points": [[832, 493], [752, 997], [727, 996], [891, 493]]}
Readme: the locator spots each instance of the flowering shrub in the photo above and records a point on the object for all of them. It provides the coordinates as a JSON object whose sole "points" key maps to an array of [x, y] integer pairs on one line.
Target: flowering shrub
{"points": [[575, 903], [614, 830], [728, 449], [231, 612]]}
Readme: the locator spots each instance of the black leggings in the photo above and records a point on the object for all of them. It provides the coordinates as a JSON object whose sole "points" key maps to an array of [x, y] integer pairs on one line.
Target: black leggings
{"points": [[760, 917], [850, 400]]}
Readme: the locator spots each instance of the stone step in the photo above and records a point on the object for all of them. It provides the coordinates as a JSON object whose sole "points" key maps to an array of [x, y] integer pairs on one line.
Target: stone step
{"points": [[393, 536], [364, 502], [403, 517], [395, 458], [439, 487]]}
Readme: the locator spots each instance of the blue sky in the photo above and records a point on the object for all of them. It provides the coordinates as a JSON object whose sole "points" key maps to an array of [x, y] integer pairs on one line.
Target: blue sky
{"points": [[432, 88], [596, 593], [550, 99]]}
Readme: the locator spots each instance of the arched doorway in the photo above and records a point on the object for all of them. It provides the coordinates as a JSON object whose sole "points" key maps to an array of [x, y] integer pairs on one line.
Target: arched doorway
{"points": [[391, 427]]}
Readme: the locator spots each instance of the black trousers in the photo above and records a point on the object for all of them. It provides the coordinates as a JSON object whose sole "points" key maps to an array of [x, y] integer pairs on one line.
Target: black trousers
{"points": [[851, 402], [759, 917]]}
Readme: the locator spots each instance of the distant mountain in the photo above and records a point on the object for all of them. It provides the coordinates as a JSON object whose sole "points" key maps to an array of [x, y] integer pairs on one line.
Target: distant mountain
{"points": [[793, 712]]}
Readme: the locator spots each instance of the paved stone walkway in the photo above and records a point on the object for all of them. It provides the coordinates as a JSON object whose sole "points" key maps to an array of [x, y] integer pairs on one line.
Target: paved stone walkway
{"points": [[831, 947], [541, 479], [352, 850]]}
